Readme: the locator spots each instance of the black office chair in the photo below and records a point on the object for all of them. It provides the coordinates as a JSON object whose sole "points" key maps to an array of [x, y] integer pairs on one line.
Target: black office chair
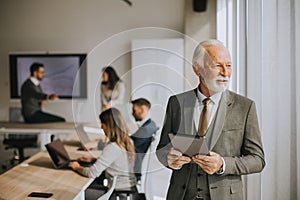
{"points": [[103, 188], [18, 141], [124, 194]]}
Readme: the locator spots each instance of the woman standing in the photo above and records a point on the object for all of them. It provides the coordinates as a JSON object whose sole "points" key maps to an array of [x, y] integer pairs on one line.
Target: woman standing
{"points": [[117, 158], [112, 88]]}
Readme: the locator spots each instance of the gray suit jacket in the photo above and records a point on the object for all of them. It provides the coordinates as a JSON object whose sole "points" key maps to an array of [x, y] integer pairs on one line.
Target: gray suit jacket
{"points": [[235, 136], [31, 96]]}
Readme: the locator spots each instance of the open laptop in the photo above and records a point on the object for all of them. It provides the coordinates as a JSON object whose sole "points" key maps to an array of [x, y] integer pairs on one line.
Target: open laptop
{"points": [[84, 138], [60, 156]]}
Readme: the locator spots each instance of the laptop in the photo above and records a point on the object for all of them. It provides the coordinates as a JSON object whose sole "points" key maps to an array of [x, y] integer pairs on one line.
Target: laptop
{"points": [[84, 138], [60, 156]]}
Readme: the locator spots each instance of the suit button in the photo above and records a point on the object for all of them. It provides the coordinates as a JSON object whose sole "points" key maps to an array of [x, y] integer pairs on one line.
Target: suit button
{"points": [[199, 175], [183, 187], [199, 189]]}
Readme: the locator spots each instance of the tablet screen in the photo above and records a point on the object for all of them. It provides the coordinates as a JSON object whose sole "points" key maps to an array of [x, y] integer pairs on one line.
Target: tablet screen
{"points": [[189, 145]]}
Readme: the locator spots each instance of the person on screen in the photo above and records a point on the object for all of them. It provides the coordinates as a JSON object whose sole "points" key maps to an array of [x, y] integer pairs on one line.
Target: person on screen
{"points": [[112, 88], [226, 120], [142, 138], [33, 98], [117, 158]]}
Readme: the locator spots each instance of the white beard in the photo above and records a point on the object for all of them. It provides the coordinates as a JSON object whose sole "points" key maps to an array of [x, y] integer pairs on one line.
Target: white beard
{"points": [[213, 86]]}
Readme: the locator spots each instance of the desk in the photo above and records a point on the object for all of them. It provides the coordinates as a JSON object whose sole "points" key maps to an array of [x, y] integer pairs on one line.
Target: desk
{"points": [[41, 176], [43, 130]]}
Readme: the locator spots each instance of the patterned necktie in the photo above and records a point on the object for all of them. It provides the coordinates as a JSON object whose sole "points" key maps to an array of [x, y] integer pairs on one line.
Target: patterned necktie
{"points": [[203, 121]]}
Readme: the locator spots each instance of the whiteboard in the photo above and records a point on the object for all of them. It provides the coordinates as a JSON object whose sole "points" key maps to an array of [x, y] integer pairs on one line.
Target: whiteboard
{"points": [[157, 72]]}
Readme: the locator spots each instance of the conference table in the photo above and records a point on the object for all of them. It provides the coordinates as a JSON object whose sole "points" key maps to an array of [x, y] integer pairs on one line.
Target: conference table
{"points": [[43, 130], [37, 174]]}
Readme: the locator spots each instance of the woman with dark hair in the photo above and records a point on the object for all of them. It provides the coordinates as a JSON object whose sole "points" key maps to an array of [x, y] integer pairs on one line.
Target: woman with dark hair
{"points": [[112, 88], [117, 158]]}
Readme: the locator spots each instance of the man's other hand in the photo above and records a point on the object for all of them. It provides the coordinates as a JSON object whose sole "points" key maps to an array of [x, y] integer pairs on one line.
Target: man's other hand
{"points": [[53, 97], [176, 159], [44, 102], [210, 163]]}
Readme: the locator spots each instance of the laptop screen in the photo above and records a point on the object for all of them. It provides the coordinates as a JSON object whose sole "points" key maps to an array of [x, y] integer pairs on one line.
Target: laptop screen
{"points": [[58, 153], [82, 134]]}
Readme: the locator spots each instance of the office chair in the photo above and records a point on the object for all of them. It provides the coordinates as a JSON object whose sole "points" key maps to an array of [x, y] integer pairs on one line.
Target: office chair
{"points": [[110, 190], [142, 186], [115, 193], [18, 141]]}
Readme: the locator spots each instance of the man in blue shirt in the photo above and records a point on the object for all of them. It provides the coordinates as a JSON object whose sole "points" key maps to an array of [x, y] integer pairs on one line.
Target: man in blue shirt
{"points": [[143, 136]]}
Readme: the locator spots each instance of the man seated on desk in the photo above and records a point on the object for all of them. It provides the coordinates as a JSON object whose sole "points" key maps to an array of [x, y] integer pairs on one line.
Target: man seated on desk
{"points": [[33, 98], [143, 136]]}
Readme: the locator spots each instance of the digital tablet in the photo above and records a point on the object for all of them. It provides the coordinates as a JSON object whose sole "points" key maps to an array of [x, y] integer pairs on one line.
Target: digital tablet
{"points": [[189, 145]]}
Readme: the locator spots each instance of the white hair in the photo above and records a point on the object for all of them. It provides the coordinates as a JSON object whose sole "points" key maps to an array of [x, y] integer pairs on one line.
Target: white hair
{"points": [[199, 52]]}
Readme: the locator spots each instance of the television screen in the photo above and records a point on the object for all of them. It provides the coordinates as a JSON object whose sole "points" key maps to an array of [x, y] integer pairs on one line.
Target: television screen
{"points": [[65, 74]]}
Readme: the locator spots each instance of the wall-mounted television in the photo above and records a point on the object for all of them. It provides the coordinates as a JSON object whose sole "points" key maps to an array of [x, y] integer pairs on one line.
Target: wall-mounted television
{"points": [[65, 74]]}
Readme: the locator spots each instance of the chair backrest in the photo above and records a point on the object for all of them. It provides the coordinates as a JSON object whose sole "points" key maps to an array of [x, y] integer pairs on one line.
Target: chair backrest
{"points": [[15, 114], [146, 164], [110, 190]]}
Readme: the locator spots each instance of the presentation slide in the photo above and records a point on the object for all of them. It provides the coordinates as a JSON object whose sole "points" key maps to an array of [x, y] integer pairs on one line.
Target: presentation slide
{"points": [[60, 74]]}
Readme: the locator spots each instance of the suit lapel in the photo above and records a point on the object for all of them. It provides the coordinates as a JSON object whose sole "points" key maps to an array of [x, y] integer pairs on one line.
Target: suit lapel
{"points": [[224, 108], [188, 117], [188, 120]]}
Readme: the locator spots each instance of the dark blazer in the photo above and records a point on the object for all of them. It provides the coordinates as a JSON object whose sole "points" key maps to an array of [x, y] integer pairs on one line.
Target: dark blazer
{"points": [[142, 139], [235, 136], [143, 136], [31, 97]]}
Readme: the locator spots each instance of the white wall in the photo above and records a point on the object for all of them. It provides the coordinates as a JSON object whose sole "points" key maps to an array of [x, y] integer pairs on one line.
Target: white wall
{"points": [[164, 58], [78, 26], [198, 26]]}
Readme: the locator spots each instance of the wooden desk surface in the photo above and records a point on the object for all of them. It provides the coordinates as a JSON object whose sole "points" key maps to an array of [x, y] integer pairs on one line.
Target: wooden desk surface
{"points": [[41, 176], [22, 125]]}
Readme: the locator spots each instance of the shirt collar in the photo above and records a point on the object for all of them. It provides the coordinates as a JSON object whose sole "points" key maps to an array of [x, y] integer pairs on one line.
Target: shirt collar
{"points": [[34, 81], [214, 98], [141, 123]]}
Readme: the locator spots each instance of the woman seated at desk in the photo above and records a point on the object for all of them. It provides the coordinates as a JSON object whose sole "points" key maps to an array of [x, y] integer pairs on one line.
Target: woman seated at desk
{"points": [[117, 158]]}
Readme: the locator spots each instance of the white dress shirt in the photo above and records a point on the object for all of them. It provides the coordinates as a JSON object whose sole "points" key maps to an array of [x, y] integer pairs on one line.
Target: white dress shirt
{"points": [[213, 106], [34, 81]]}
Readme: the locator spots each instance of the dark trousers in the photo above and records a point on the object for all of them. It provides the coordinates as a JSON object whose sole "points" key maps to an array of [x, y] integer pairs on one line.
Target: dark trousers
{"points": [[42, 117]]}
